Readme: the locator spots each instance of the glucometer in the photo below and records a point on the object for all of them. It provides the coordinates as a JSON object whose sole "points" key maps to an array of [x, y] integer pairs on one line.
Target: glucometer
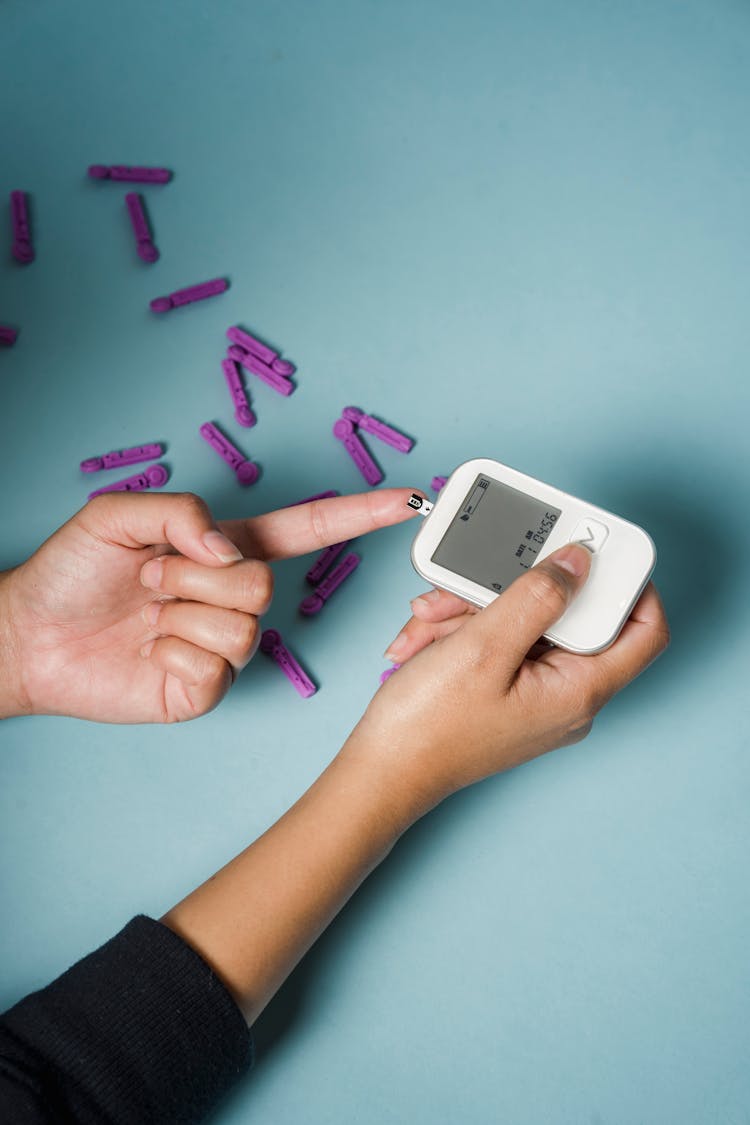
{"points": [[491, 523]]}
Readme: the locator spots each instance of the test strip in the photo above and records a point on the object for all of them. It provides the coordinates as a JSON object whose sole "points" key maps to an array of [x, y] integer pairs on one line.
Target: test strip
{"points": [[273, 646], [8, 336], [145, 248], [315, 602], [324, 560], [379, 429], [346, 434], [242, 411], [246, 471], [134, 175], [153, 477], [122, 457], [22, 250], [187, 296], [251, 363]]}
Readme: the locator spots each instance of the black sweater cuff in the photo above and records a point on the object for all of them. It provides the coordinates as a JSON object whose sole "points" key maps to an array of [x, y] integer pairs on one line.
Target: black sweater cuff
{"points": [[140, 1031]]}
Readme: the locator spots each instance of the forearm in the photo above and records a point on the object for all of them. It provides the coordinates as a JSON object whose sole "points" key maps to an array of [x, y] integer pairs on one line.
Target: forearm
{"points": [[257, 917], [12, 696]]}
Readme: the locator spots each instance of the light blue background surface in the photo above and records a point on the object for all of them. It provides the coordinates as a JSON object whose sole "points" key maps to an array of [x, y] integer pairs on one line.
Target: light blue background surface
{"points": [[513, 230]]}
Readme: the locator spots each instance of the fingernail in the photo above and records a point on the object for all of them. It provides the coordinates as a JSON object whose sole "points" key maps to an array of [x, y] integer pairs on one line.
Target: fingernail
{"points": [[146, 650], [221, 547], [396, 648], [421, 601], [574, 558], [151, 613], [151, 574]]}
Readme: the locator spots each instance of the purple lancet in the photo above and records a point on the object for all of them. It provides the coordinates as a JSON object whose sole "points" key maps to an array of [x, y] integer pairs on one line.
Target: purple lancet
{"points": [[122, 457], [388, 673], [22, 250], [153, 477], [257, 367], [252, 344], [315, 602], [324, 560], [145, 248], [377, 428], [242, 411], [346, 434], [273, 646], [187, 296], [437, 483], [133, 175], [247, 472], [8, 336], [317, 496]]}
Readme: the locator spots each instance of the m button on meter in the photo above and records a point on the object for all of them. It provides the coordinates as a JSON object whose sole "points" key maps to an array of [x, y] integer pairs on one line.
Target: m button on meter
{"points": [[591, 533]]}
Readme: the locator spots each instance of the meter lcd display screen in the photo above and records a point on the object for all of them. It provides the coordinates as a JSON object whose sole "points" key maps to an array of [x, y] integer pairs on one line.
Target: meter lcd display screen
{"points": [[496, 534]]}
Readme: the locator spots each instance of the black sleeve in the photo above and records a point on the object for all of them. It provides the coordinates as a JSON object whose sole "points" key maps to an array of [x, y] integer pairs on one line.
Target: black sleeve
{"points": [[139, 1032]]}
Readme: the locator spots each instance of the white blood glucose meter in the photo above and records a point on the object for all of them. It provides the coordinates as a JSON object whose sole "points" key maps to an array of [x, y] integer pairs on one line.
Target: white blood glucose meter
{"points": [[491, 523]]}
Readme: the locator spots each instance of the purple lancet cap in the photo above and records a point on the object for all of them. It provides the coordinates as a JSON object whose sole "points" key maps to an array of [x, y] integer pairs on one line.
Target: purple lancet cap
{"points": [[324, 560], [273, 646], [346, 434], [145, 248], [242, 410], [187, 296], [122, 457], [437, 483], [134, 175], [318, 496], [377, 428], [8, 336], [22, 250], [283, 367], [257, 367], [315, 602], [247, 472], [388, 673], [153, 477]]}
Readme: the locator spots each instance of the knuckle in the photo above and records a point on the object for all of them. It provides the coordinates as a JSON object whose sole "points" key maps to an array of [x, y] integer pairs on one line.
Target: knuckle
{"points": [[241, 635], [212, 667], [256, 588]]}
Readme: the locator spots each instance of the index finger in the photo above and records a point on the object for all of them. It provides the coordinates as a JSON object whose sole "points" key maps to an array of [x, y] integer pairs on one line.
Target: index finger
{"points": [[308, 527]]}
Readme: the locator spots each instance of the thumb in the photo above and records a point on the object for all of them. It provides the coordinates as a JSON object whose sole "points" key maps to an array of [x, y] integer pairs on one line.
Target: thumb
{"points": [[180, 519], [532, 604]]}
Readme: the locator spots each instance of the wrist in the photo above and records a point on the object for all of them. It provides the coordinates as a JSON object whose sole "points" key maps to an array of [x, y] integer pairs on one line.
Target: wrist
{"points": [[13, 699], [403, 792]]}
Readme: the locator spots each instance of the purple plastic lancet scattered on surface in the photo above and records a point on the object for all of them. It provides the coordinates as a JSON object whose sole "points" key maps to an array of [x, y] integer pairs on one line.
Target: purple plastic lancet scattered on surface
{"points": [[7, 336], [145, 248], [120, 457], [133, 175], [437, 483], [388, 673], [187, 296], [315, 602], [346, 433], [273, 646], [152, 477], [252, 344], [242, 410], [257, 367], [377, 428], [247, 472], [324, 560], [22, 249]]}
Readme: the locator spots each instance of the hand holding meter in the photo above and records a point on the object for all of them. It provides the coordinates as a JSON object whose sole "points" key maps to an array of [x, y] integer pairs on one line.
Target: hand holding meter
{"points": [[490, 523]]}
